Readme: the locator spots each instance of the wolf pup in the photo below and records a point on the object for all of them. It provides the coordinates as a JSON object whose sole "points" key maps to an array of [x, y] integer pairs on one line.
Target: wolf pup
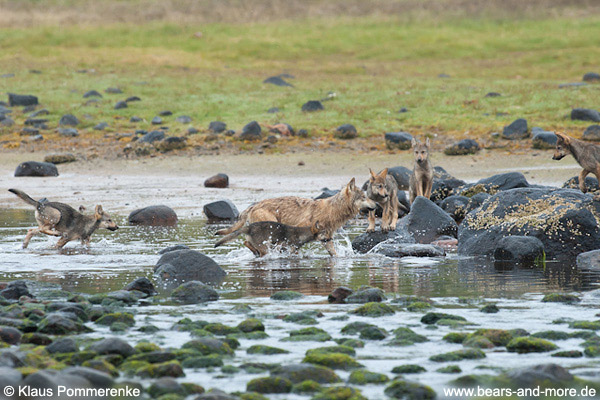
{"points": [[383, 189], [421, 179], [332, 212], [586, 154], [260, 236], [59, 219]]}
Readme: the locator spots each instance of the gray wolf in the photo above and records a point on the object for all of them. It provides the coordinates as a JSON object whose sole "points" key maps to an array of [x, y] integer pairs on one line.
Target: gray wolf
{"points": [[260, 236], [383, 189], [332, 212], [59, 219], [586, 154], [421, 180]]}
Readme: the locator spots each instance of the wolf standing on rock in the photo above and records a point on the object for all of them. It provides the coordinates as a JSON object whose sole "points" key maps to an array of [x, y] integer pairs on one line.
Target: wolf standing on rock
{"points": [[421, 180], [383, 189], [586, 154]]}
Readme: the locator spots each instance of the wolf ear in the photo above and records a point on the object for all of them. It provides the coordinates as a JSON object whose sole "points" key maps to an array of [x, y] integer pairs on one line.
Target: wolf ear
{"points": [[427, 142], [384, 173], [98, 212], [373, 176], [352, 184], [562, 137], [413, 142]]}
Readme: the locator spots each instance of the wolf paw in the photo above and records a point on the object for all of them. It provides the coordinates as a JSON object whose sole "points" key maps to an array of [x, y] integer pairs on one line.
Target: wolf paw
{"points": [[370, 230]]}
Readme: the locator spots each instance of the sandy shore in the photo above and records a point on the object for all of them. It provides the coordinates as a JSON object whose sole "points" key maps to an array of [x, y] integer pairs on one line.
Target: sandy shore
{"points": [[123, 185]]}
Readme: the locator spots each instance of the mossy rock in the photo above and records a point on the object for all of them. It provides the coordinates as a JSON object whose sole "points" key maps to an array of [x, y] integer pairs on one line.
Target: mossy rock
{"points": [[568, 354], [266, 350], [407, 300], [38, 339], [364, 377], [450, 369], [459, 355], [301, 372], [373, 309], [213, 360], [251, 396], [355, 343], [129, 367], [241, 309], [339, 393], [561, 298], [201, 333], [102, 366], [187, 324], [77, 358], [452, 323], [170, 396], [122, 317], [269, 384], [286, 295], [489, 309], [489, 381], [401, 389], [38, 358], [230, 369], [419, 306], [119, 327], [307, 387], [332, 360], [455, 337], [406, 337], [592, 351], [220, 329], [588, 335], [256, 335], [354, 328], [333, 349], [529, 344], [303, 318], [408, 369], [552, 335], [191, 388], [434, 317], [257, 368], [160, 388], [146, 347], [499, 337], [479, 342], [373, 333], [169, 368], [591, 325], [154, 357], [251, 325], [311, 334], [207, 346]]}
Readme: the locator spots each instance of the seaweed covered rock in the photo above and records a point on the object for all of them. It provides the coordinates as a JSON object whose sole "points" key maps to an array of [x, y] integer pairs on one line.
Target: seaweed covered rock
{"points": [[526, 344], [373, 309], [332, 360], [565, 221], [365, 242], [270, 384], [364, 377], [194, 292], [366, 294], [458, 355], [402, 389], [426, 221], [298, 373], [188, 265]]}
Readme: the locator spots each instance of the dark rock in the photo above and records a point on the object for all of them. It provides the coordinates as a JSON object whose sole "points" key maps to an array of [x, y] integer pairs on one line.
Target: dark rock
{"points": [[277, 81], [8, 122], [273, 110], [401, 175], [538, 374], [194, 292], [46, 381], [221, 210], [152, 137], [476, 201], [101, 126], [525, 250], [132, 98], [339, 295], [35, 121], [157, 121], [188, 265], [10, 335], [403, 110], [590, 260], [572, 84], [184, 119], [62, 345], [9, 377], [96, 378], [398, 250], [15, 289], [113, 346], [68, 132], [172, 143], [191, 130], [462, 147], [366, 241], [507, 181], [365, 295], [584, 114], [60, 323], [346, 131], [516, 130], [303, 133], [34, 168], [312, 105], [29, 132], [592, 133], [301, 372], [327, 193], [493, 94], [217, 181], [135, 119], [591, 183], [591, 77], [38, 113], [216, 394], [398, 140], [142, 285], [251, 131], [563, 219], [22, 100], [92, 93], [165, 113], [173, 248], [426, 221], [217, 126], [113, 90], [543, 140], [456, 206], [120, 105], [444, 184], [68, 120]]}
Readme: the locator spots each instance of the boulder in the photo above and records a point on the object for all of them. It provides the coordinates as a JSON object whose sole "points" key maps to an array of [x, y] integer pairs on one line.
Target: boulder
{"points": [[221, 210], [10, 335], [346, 131], [62, 345], [15, 100], [172, 143], [35, 168], [312, 105], [366, 294], [153, 216], [516, 130], [95, 377], [591, 77], [156, 120], [476, 201], [339, 295], [540, 374], [506, 181], [188, 265], [113, 346], [217, 126], [398, 140], [426, 221], [401, 175], [592, 133], [524, 250], [217, 181], [462, 147], [590, 260], [68, 120], [366, 241], [15, 289], [152, 136], [584, 114], [591, 183], [456, 206], [564, 220], [194, 292], [443, 184], [173, 248], [251, 131], [399, 250], [543, 140], [142, 285], [301, 372]]}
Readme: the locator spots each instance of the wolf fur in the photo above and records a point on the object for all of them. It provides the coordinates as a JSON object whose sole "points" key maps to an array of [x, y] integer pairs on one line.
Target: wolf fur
{"points": [[421, 180], [383, 189]]}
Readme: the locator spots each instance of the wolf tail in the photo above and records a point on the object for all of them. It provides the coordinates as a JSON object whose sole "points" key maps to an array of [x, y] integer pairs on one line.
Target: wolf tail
{"points": [[232, 236], [25, 197], [238, 225]]}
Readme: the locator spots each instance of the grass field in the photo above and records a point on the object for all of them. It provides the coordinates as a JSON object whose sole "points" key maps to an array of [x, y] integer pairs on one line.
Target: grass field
{"points": [[374, 62]]}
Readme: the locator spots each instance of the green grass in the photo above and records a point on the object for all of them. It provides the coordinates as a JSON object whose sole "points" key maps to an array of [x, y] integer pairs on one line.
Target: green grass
{"points": [[374, 65]]}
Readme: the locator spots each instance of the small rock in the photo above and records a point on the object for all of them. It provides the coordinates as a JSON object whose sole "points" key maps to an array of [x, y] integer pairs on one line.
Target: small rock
{"points": [[251, 131], [135, 119], [68, 132], [142, 285], [408, 250], [273, 110], [10, 335], [34, 168], [543, 140], [221, 210], [62, 345], [151, 137], [15, 100], [172, 143], [101, 126], [68, 120], [191, 130], [339, 295], [584, 114], [589, 260], [277, 81], [183, 119], [366, 294], [194, 292], [217, 181], [132, 98], [113, 346], [165, 113], [312, 105], [60, 158], [120, 105], [525, 250], [113, 90], [157, 120], [493, 94], [188, 265], [591, 77], [217, 126], [92, 93], [346, 131], [462, 147], [398, 140], [592, 133], [153, 216], [516, 130]]}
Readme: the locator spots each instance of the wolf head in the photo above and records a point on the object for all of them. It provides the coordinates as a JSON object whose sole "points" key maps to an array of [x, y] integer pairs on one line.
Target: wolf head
{"points": [[421, 151], [105, 220], [357, 198], [563, 147], [377, 184]]}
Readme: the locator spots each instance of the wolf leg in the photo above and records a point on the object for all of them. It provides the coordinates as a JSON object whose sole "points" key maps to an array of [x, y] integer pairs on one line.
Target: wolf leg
{"points": [[30, 233], [330, 248], [582, 176], [371, 227]]}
